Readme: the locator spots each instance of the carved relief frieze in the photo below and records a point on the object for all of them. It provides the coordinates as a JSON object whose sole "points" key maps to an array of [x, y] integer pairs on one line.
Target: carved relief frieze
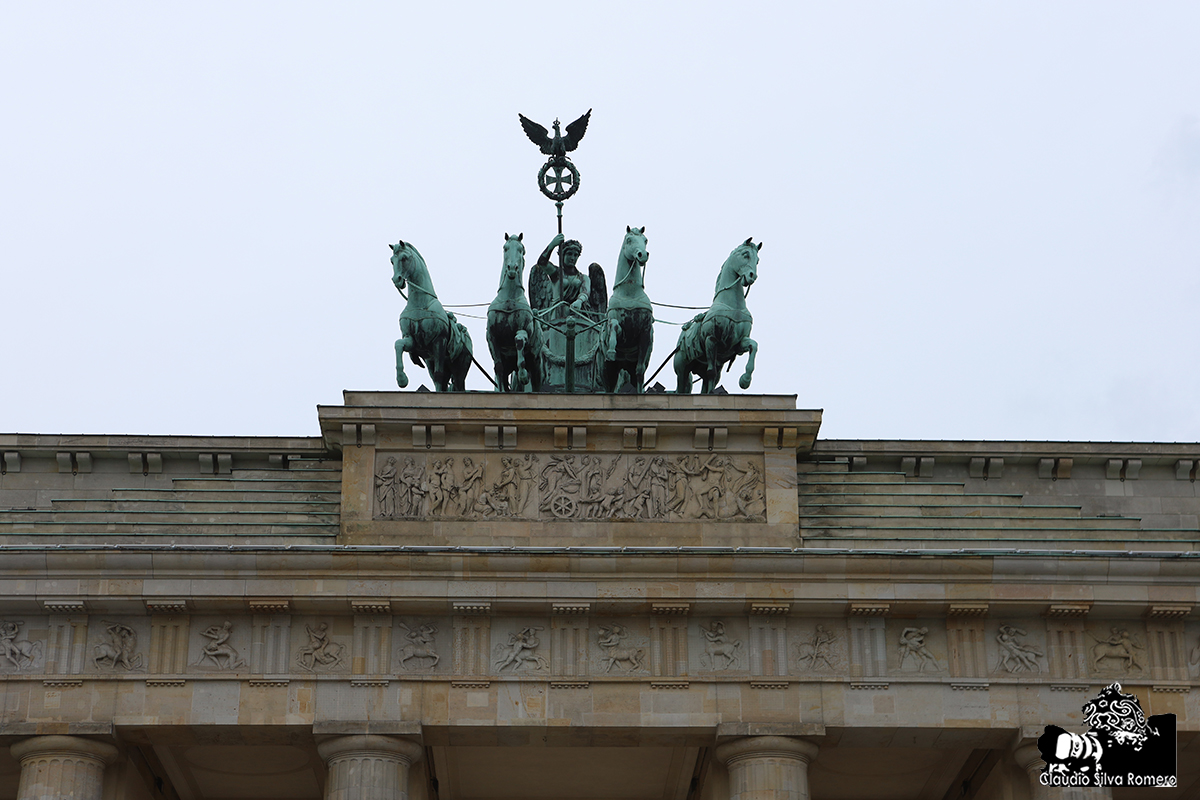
{"points": [[118, 649], [571, 486], [720, 648], [1117, 649], [319, 651], [214, 647], [820, 648], [418, 646], [518, 648], [621, 650], [17, 651], [919, 646], [1017, 651]]}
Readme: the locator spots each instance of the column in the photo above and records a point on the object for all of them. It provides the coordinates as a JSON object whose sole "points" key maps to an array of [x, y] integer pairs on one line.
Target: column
{"points": [[1029, 758], [767, 767], [367, 767], [56, 767]]}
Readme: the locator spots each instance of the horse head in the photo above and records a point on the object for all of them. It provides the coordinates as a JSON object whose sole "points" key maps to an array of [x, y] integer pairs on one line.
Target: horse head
{"points": [[400, 256], [633, 250], [514, 259], [741, 268]]}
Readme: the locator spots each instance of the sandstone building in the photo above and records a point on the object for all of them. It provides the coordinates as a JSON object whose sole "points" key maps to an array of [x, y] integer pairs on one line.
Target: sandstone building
{"points": [[479, 596]]}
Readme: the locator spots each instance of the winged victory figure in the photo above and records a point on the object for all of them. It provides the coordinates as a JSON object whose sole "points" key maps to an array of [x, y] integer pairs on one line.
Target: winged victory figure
{"points": [[558, 145]]}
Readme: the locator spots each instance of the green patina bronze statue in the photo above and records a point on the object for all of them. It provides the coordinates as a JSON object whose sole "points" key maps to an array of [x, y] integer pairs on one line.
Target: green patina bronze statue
{"points": [[715, 337], [513, 335], [629, 330], [433, 338]]}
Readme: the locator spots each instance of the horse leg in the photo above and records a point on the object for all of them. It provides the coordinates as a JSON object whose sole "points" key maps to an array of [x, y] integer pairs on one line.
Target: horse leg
{"points": [[683, 375], [401, 346], [614, 330], [639, 380], [522, 381], [712, 367], [752, 346]]}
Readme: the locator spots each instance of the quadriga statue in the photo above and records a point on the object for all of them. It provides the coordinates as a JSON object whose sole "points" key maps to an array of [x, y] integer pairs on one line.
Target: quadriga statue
{"points": [[715, 337], [513, 335]]}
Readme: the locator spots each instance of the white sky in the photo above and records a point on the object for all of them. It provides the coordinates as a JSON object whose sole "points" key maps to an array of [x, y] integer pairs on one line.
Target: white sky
{"points": [[980, 220]]}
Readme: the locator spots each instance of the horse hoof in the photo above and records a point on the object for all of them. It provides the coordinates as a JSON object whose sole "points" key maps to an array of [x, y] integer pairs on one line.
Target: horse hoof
{"points": [[401, 380], [744, 381]]}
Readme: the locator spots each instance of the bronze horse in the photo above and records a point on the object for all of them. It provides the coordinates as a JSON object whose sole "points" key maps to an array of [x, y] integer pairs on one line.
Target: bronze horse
{"points": [[514, 338], [629, 331], [433, 338], [714, 338]]}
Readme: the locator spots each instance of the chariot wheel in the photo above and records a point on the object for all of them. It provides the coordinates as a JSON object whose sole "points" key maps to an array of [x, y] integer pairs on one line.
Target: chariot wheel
{"points": [[562, 507]]}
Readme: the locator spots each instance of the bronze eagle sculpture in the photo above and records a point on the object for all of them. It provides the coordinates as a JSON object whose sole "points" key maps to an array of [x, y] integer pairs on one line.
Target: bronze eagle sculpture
{"points": [[558, 145]]}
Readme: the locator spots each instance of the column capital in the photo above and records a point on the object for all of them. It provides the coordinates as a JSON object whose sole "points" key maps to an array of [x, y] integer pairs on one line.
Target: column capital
{"points": [[766, 747], [1029, 758], [102, 753], [389, 747]]}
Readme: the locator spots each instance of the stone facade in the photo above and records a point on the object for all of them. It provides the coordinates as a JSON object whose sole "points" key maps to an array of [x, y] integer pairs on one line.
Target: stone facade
{"points": [[485, 596]]}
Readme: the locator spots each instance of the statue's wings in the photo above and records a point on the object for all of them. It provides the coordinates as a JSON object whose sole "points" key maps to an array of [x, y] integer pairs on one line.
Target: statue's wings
{"points": [[540, 136], [598, 295], [541, 291], [575, 131]]}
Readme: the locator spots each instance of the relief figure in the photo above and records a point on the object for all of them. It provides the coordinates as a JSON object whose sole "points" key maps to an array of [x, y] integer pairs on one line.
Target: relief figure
{"points": [[218, 648], [420, 646], [472, 484], [718, 645], [21, 653], [1120, 646], [385, 489], [320, 652], [520, 651], [816, 651], [1015, 655], [609, 637], [119, 649], [912, 643]]}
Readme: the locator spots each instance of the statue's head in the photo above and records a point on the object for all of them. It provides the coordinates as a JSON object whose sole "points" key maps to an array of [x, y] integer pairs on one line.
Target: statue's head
{"points": [[570, 251]]}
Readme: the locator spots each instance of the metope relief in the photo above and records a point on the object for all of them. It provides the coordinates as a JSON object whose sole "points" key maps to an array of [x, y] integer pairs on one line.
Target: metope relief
{"points": [[719, 650], [217, 650], [1016, 653], [620, 649], [821, 649], [18, 653], [1120, 652], [321, 653], [120, 649], [571, 486], [418, 652], [521, 652], [917, 647]]}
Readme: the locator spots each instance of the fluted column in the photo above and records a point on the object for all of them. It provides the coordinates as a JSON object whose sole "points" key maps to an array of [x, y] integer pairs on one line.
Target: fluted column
{"points": [[767, 767], [56, 767], [1029, 758], [367, 767]]}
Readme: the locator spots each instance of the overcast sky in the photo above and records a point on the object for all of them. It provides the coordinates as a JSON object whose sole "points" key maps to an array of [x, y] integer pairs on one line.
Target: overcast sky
{"points": [[979, 220]]}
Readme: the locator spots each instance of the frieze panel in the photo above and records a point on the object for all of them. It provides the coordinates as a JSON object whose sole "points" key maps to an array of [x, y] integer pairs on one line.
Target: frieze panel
{"points": [[321, 645], [569, 486], [219, 644], [422, 646], [520, 646], [1018, 647], [819, 647], [1117, 648], [917, 647], [117, 645], [22, 644], [621, 646], [719, 645]]}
